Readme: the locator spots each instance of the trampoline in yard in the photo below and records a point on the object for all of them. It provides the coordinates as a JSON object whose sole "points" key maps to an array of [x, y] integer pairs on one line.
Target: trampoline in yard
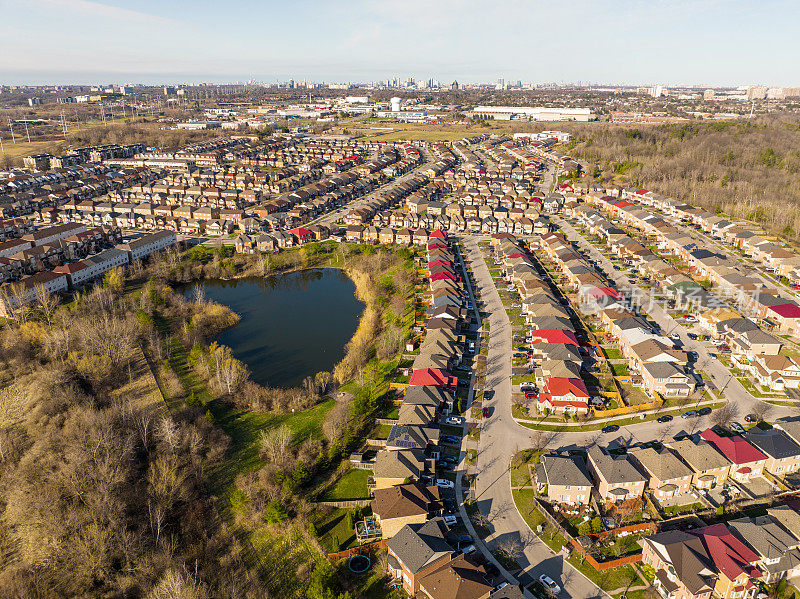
{"points": [[359, 563]]}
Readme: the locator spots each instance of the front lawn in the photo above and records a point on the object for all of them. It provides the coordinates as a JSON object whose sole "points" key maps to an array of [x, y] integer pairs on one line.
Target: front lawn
{"points": [[527, 507]]}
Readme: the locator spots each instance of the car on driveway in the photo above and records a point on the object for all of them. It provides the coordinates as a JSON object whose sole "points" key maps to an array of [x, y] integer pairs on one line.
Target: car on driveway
{"points": [[752, 418], [664, 418], [449, 439], [486, 412], [611, 428], [455, 420], [450, 520], [444, 483], [737, 428], [549, 584]]}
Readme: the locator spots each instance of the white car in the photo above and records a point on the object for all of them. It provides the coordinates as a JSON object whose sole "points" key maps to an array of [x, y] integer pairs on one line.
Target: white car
{"points": [[450, 520], [444, 483], [549, 583], [454, 420]]}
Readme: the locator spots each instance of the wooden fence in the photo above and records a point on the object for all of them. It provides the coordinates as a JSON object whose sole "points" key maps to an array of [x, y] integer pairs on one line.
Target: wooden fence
{"points": [[642, 407], [604, 565], [347, 503], [366, 548]]}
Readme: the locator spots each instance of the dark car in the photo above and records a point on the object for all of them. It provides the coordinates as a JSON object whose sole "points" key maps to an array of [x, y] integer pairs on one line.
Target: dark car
{"points": [[488, 394], [664, 418], [681, 436], [486, 412], [703, 411], [611, 428], [752, 418]]}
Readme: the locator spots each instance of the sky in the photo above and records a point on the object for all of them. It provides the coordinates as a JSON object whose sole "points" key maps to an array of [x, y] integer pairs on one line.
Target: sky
{"points": [[671, 42]]}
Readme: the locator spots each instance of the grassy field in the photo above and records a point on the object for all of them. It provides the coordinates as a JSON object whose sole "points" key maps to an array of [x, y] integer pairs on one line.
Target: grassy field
{"points": [[353, 485], [23, 148]]}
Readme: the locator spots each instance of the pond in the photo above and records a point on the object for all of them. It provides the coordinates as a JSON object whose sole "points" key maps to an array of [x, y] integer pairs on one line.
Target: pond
{"points": [[292, 325]]}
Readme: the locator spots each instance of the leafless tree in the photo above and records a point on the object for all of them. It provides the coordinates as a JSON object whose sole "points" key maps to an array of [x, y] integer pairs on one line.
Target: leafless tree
{"points": [[512, 547], [276, 442], [46, 301], [725, 415]]}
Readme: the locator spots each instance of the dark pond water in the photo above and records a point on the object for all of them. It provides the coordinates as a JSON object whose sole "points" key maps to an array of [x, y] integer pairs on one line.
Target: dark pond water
{"points": [[292, 325]]}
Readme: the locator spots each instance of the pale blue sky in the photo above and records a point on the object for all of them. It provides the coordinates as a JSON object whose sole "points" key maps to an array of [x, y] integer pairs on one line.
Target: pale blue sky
{"points": [[714, 42]]}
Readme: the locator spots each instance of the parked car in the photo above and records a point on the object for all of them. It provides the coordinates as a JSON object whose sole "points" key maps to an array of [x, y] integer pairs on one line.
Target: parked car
{"points": [[450, 520], [456, 420], [737, 428], [531, 395], [691, 336], [469, 549], [675, 337], [689, 414], [486, 412], [549, 584], [664, 418], [681, 436], [444, 483], [449, 439], [611, 428], [752, 418], [703, 411]]}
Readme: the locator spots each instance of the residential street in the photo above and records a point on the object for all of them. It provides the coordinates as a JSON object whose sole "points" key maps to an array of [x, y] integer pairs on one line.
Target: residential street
{"points": [[501, 438], [331, 217]]}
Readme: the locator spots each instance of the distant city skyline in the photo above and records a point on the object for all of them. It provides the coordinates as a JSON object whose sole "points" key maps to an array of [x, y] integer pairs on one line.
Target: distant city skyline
{"points": [[614, 42]]}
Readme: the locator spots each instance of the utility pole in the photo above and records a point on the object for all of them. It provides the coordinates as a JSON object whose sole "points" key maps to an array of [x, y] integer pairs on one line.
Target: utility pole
{"points": [[11, 126], [26, 131], [2, 149], [104, 113]]}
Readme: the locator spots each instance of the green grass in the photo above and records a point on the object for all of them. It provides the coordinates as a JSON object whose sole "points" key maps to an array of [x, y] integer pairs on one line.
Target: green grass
{"points": [[608, 580], [526, 505], [381, 431], [353, 485], [519, 469], [613, 353], [619, 421], [620, 369], [333, 531], [674, 510]]}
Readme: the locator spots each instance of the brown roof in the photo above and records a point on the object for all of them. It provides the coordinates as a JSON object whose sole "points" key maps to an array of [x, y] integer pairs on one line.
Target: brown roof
{"points": [[457, 578], [404, 500]]}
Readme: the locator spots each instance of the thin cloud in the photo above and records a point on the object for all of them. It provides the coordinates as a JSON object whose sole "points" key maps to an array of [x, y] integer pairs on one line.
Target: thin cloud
{"points": [[103, 11]]}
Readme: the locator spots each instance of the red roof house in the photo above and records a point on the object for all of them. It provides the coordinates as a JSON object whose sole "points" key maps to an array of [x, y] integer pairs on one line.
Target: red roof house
{"points": [[733, 559], [444, 275], [564, 395], [435, 377], [438, 234], [554, 336], [746, 461], [301, 234]]}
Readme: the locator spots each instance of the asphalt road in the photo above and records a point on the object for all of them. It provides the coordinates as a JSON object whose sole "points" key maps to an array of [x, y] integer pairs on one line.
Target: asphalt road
{"points": [[501, 438]]}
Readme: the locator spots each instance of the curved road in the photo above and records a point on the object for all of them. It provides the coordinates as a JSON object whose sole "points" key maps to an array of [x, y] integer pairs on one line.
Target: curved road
{"points": [[502, 437]]}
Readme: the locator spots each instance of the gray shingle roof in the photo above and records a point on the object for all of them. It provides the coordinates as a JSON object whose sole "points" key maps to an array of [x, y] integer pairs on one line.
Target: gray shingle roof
{"points": [[773, 442], [417, 545]]}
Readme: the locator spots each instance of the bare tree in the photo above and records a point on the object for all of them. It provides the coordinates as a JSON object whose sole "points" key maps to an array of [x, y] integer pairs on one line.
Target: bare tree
{"points": [[276, 442], [762, 409], [46, 301], [512, 547], [725, 415]]}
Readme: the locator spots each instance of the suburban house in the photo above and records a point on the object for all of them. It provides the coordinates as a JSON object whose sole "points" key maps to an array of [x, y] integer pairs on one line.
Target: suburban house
{"points": [[737, 573], [710, 468], [778, 550], [398, 467], [683, 568], [746, 461], [458, 578], [564, 395], [668, 476], [783, 454], [397, 506], [417, 550], [564, 479], [667, 378], [616, 479]]}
